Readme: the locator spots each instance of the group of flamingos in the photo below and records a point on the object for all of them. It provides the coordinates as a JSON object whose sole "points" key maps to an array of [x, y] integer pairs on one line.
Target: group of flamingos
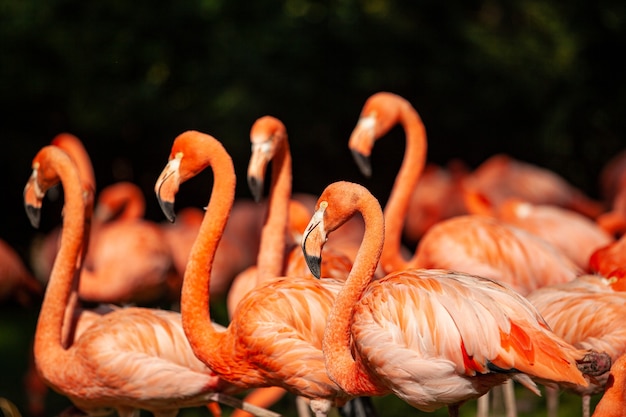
{"points": [[516, 276]]}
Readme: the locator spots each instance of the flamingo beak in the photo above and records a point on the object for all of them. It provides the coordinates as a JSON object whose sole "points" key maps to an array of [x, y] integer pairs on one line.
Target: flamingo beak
{"points": [[313, 241], [33, 196], [361, 143], [167, 186], [259, 160]]}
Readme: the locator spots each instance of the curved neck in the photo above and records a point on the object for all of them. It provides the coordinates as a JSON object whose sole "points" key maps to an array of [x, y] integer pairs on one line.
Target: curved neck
{"points": [[271, 256], [194, 303], [612, 402], [341, 366], [406, 181], [48, 346]]}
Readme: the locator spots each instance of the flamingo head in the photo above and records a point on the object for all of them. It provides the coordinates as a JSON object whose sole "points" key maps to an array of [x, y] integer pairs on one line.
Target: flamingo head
{"points": [[380, 113], [267, 135]]}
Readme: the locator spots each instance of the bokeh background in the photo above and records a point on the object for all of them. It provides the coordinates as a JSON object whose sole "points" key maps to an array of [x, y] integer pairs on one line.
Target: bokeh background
{"points": [[540, 80]]}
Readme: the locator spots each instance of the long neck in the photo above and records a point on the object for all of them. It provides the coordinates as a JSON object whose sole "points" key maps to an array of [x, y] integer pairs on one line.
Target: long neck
{"points": [[406, 180], [271, 256], [203, 337], [49, 351], [612, 402], [341, 366]]}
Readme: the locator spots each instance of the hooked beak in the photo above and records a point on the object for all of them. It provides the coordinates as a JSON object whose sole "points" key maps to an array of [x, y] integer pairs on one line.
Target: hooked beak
{"points": [[313, 241], [33, 196], [167, 186], [259, 159], [361, 143]]}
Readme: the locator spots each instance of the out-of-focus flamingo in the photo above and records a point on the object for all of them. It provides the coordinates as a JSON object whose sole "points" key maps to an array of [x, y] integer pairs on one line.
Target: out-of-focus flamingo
{"points": [[432, 337], [120, 232], [128, 359], [474, 244], [574, 234], [437, 196], [501, 177], [275, 334], [588, 313], [16, 281], [612, 403]]}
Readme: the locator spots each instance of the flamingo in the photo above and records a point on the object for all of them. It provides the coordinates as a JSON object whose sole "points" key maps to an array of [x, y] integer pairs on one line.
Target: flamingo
{"points": [[126, 360], [505, 253], [275, 334], [276, 254], [434, 338], [612, 402], [501, 177], [588, 314], [574, 234], [16, 281]]}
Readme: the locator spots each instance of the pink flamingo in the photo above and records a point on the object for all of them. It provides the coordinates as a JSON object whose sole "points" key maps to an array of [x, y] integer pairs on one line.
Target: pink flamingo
{"points": [[434, 338], [502, 252], [275, 334], [126, 360]]}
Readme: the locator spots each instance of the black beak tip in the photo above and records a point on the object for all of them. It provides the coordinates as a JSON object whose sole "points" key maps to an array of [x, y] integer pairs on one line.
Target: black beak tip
{"points": [[167, 207], [256, 188], [315, 265], [34, 215], [363, 162]]}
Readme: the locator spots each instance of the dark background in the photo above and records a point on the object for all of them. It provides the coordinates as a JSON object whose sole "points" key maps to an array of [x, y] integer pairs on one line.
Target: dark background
{"points": [[537, 79]]}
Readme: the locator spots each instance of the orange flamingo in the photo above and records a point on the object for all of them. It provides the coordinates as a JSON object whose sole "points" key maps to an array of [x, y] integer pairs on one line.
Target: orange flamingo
{"points": [[16, 281], [587, 313], [574, 234], [128, 359], [612, 403], [277, 254], [504, 253], [275, 334], [432, 337]]}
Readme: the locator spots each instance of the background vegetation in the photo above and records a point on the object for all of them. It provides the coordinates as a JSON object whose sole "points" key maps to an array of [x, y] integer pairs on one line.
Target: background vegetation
{"points": [[538, 79]]}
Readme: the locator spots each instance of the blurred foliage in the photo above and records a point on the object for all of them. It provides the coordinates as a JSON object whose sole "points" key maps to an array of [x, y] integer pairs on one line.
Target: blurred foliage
{"points": [[541, 80]]}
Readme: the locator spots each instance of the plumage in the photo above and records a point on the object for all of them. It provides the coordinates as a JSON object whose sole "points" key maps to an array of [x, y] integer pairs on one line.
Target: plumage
{"points": [[432, 337]]}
